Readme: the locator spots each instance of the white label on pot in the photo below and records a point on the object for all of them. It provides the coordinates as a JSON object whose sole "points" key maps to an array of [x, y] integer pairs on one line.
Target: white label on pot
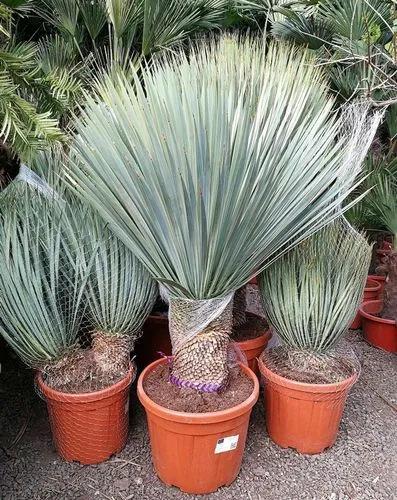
{"points": [[226, 444], [127, 405]]}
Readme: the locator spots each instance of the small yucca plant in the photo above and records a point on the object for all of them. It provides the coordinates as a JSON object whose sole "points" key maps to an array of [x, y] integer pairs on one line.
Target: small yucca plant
{"points": [[312, 293]]}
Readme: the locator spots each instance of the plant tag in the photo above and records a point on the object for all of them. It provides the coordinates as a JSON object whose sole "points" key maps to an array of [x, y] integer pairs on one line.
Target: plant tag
{"points": [[226, 444]]}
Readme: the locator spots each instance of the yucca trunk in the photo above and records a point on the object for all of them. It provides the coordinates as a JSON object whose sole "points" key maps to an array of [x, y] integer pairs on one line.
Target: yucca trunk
{"points": [[111, 353], [201, 360], [240, 307]]}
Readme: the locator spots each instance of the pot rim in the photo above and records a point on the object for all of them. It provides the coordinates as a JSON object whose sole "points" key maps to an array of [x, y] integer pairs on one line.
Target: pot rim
{"points": [[372, 285], [256, 341], [304, 386], [196, 418], [373, 318], [377, 277], [85, 397]]}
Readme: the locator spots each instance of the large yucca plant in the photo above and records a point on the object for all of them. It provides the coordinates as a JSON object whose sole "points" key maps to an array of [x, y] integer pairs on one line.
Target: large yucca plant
{"points": [[205, 168], [312, 293]]}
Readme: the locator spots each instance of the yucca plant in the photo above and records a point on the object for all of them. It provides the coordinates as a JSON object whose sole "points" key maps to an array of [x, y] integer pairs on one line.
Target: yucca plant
{"points": [[312, 293], [205, 167], [382, 205], [120, 295], [41, 283]]}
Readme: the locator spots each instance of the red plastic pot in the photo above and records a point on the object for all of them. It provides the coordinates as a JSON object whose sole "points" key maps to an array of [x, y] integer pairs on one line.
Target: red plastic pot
{"points": [[372, 291], [155, 340], [377, 331], [89, 427], [303, 416], [379, 279], [185, 446]]}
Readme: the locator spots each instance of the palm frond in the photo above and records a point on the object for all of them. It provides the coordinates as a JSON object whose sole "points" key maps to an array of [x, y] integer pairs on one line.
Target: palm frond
{"points": [[312, 293], [205, 167]]}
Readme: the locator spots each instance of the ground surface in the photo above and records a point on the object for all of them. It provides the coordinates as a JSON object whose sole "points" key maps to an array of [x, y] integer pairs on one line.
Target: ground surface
{"points": [[361, 465]]}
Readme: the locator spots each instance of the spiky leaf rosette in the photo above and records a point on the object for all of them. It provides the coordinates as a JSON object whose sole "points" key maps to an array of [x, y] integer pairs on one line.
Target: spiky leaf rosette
{"points": [[312, 293], [209, 164], [120, 294], [40, 278]]}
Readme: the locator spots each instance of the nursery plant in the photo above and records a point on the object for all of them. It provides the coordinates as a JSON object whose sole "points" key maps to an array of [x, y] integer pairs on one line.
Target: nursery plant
{"points": [[310, 296], [380, 317], [63, 274], [205, 167]]}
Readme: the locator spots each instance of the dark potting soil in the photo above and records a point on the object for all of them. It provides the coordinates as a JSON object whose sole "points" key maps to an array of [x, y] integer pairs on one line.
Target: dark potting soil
{"points": [[309, 368], [254, 327], [162, 392]]}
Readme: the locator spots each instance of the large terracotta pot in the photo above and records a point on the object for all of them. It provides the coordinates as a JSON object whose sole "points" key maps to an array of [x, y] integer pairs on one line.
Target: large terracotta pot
{"points": [[377, 331], [303, 416], [372, 291], [187, 447], [89, 427]]}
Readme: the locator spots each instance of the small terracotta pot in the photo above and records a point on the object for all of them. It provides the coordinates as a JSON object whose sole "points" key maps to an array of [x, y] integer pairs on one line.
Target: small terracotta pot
{"points": [[379, 332], [186, 446], [303, 416], [372, 291], [253, 348], [379, 279], [155, 340], [89, 427]]}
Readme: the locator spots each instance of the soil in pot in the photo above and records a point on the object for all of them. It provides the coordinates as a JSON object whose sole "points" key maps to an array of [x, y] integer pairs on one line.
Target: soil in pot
{"points": [[91, 426], [378, 331], [198, 452], [163, 393], [304, 399]]}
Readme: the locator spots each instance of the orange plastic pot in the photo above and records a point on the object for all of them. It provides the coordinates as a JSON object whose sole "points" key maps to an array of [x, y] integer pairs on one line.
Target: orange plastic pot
{"points": [[89, 427], [379, 332], [372, 291], [155, 340], [253, 348], [191, 450], [303, 416]]}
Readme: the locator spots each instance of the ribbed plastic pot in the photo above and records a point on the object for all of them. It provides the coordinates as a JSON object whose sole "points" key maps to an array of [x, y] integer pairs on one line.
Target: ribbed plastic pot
{"points": [[379, 279], [372, 291], [377, 331], [197, 452], [89, 427], [253, 348], [155, 340], [303, 416]]}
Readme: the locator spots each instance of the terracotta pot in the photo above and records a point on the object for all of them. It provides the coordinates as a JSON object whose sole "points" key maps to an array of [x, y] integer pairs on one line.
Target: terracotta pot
{"points": [[303, 416], [379, 332], [372, 291], [187, 447], [155, 339], [89, 427], [379, 279], [253, 348]]}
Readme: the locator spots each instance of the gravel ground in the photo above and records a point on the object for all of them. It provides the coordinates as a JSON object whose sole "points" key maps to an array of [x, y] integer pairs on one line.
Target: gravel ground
{"points": [[361, 465]]}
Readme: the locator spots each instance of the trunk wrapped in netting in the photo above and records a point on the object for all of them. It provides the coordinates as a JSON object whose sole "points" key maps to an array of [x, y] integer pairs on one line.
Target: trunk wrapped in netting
{"points": [[200, 342]]}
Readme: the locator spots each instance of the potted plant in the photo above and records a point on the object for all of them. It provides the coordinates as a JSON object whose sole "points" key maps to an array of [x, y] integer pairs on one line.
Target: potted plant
{"points": [[310, 296], [379, 316], [372, 291], [205, 166], [52, 278]]}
